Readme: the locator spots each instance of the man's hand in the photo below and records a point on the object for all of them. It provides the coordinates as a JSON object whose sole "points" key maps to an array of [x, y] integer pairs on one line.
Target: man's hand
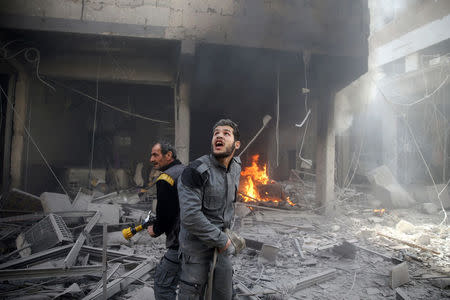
{"points": [[152, 233], [226, 246]]}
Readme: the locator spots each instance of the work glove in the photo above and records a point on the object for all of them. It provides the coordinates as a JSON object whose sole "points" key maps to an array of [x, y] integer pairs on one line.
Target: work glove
{"points": [[237, 242]]}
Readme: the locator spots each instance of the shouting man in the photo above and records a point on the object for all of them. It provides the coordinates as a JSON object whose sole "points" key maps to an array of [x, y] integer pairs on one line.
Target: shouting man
{"points": [[164, 158], [207, 190]]}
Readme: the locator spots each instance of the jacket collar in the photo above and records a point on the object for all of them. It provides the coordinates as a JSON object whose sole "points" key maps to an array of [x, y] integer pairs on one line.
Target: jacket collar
{"points": [[175, 162]]}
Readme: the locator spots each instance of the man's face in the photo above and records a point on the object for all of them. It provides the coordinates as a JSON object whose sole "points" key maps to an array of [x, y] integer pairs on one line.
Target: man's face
{"points": [[223, 143], [158, 159]]}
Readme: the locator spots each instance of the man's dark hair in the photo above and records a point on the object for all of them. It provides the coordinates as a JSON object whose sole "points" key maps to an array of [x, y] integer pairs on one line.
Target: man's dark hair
{"points": [[166, 147], [228, 122]]}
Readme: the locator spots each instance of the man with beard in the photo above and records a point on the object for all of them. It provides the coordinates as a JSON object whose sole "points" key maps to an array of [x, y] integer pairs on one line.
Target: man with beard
{"points": [[207, 191], [164, 158]]}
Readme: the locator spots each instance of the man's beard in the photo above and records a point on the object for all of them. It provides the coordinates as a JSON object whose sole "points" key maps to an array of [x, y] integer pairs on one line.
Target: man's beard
{"points": [[228, 151]]}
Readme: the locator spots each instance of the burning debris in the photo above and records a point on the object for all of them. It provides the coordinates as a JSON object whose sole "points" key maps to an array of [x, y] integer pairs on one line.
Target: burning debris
{"points": [[257, 187]]}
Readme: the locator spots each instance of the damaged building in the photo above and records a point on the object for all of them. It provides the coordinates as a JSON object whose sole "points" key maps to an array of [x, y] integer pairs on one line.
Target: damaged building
{"points": [[343, 109]]}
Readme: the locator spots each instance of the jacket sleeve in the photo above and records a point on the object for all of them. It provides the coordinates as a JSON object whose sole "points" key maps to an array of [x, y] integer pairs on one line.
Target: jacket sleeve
{"points": [[190, 193], [166, 207]]}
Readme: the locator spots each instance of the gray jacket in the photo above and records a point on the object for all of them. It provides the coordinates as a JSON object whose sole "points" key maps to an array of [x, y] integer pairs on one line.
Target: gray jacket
{"points": [[207, 192]]}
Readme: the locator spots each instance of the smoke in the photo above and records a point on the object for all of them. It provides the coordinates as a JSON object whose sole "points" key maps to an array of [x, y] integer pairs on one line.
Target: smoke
{"points": [[353, 99]]}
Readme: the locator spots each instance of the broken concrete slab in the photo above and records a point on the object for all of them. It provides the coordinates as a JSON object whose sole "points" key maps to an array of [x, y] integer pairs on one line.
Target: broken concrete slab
{"points": [[387, 189], [399, 275], [110, 213], [441, 283], [346, 250], [315, 279], [21, 201], [400, 294], [268, 254], [145, 293], [82, 200], [54, 202], [405, 227], [242, 210], [424, 239]]}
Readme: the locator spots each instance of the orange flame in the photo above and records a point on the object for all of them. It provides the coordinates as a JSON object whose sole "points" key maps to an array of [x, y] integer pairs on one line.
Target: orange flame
{"points": [[254, 176]]}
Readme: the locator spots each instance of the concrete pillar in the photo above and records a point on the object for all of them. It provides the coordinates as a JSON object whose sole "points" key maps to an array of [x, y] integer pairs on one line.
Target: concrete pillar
{"points": [[325, 153], [182, 101], [21, 95], [343, 157]]}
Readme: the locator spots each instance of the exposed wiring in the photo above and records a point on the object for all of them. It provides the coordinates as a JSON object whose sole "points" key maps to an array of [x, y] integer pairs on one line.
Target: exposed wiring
{"points": [[421, 156], [109, 105], [277, 132], [30, 58], [353, 284], [421, 99], [33, 141], [306, 57], [94, 126]]}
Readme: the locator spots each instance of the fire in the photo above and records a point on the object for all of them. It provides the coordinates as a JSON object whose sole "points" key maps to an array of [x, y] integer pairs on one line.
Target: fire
{"points": [[255, 176]]}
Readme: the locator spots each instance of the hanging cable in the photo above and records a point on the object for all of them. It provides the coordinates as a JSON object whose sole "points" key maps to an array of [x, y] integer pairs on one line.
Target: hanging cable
{"points": [[277, 132], [108, 105], [30, 58], [94, 126], [33, 141]]}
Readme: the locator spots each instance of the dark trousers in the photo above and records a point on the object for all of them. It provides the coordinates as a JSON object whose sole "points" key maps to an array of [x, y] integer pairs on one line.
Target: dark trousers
{"points": [[194, 277], [167, 275]]}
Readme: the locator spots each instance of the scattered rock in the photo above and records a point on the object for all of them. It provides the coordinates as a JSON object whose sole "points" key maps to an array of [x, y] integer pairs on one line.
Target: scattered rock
{"points": [[372, 291], [424, 239], [405, 227], [335, 228], [399, 275]]}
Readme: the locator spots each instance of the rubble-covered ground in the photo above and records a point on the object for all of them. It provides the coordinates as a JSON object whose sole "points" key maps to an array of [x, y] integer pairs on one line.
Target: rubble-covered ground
{"points": [[361, 252]]}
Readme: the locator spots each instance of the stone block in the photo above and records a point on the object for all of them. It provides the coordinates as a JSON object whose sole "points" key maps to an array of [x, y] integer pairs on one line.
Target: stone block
{"points": [[54, 202], [399, 275], [268, 254], [405, 227], [110, 213]]}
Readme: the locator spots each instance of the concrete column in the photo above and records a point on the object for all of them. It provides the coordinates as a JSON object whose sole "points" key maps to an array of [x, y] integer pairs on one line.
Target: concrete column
{"points": [[325, 153], [343, 159], [21, 95], [182, 101]]}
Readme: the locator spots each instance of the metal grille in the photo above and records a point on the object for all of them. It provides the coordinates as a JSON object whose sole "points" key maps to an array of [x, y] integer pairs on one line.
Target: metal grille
{"points": [[47, 233]]}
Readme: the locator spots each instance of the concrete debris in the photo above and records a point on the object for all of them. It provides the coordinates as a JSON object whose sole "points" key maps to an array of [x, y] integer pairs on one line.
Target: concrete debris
{"points": [[21, 201], [110, 214], [424, 239], [285, 245], [268, 254], [145, 293], [372, 291], [387, 189], [441, 283], [400, 294], [399, 275], [242, 210], [54, 202], [405, 227], [82, 200], [346, 250]]}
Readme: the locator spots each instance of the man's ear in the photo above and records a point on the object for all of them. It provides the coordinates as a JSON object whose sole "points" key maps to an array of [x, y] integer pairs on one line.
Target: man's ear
{"points": [[237, 144], [169, 155]]}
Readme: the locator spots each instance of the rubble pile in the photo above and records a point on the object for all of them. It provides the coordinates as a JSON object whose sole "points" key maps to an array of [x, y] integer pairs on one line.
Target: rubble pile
{"points": [[56, 248]]}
